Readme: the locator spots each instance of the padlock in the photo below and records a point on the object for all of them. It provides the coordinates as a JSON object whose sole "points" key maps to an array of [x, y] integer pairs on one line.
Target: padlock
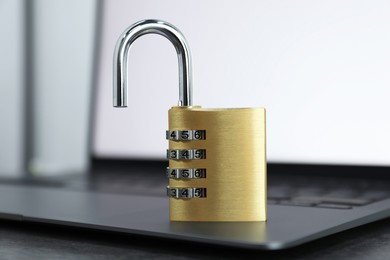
{"points": [[217, 157]]}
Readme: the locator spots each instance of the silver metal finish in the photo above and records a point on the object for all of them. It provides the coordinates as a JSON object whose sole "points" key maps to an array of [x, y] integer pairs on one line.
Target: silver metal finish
{"points": [[186, 135], [186, 173], [186, 193], [121, 54], [186, 154]]}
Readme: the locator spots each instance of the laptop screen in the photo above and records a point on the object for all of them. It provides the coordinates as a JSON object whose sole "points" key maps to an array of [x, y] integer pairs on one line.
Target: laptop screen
{"points": [[321, 69]]}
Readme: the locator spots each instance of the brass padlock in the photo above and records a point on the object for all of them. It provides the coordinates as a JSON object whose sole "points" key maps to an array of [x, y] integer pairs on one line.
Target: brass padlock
{"points": [[217, 157]]}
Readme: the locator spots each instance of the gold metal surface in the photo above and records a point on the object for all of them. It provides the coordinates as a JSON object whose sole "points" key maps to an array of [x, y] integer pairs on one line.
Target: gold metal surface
{"points": [[235, 163]]}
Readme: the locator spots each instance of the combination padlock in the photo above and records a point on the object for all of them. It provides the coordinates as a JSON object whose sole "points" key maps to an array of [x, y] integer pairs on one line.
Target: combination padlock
{"points": [[217, 157]]}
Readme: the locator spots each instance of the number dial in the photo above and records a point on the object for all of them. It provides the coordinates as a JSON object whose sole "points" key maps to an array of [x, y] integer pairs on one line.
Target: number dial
{"points": [[193, 173], [185, 135], [186, 154], [186, 193]]}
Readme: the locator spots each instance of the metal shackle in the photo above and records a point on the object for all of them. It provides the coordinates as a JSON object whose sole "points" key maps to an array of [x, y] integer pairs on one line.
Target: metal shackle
{"points": [[121, 53]]}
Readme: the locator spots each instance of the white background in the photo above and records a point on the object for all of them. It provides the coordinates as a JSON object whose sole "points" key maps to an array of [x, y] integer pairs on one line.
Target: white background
{"points": [[62, 49], [321, 68], [63, 62], [11, 87]]}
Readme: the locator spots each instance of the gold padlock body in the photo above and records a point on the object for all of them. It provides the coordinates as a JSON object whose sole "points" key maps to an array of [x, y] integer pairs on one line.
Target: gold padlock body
{"points": [[235, 164]]}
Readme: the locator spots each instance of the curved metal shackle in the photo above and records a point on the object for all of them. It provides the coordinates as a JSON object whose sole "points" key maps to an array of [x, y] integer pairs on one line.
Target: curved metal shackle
{"points": [[122, 49]]}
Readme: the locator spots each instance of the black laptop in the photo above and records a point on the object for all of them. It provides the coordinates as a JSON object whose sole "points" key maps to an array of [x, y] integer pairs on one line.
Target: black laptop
{"points": [[328, 165]]}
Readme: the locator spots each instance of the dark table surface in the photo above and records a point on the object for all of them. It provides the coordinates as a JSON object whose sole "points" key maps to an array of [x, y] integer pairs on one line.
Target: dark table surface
{"points": [[22, 240]]}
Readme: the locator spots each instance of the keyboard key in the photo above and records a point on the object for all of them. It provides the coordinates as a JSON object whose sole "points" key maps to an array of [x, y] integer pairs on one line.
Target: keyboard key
{"points": [[333, 206], [375, 194], [297, 203], [343, 201]]}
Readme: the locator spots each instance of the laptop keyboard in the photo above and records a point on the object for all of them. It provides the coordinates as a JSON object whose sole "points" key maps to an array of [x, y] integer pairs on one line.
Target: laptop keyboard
{"points": [[283, 189], [326, 192], [303, 191]]}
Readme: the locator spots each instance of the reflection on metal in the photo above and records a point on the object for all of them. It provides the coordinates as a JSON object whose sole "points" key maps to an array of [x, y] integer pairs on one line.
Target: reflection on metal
{"points": [[237, 231], [121, 53]]}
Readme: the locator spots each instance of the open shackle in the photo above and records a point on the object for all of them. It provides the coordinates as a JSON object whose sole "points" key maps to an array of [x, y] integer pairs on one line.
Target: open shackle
{"points": [[122, 49]]}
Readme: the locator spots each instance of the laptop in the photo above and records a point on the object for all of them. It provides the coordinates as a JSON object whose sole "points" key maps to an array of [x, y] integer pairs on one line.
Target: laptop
{"points": [[328, 161]]}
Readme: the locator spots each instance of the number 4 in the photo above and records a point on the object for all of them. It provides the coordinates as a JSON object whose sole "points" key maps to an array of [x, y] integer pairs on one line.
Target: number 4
{"points": [[173, 135]]}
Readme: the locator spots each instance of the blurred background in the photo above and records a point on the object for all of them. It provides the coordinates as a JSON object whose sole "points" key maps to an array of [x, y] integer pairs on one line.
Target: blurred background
{"points": [[46, 75], [320, 69]]}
